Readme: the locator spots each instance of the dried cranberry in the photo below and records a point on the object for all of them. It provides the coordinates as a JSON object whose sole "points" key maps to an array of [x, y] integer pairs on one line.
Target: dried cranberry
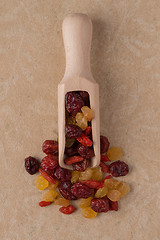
{"points": [[31, 165], [49, 163], [65, 190], [71, 150], [104, 144], [113, 205], [72, 131], [85, 152], [118, 168], [50, 147], [73, 102], [81, 166], [100, 204], [80, 190], [62, 174], [85, 97]]}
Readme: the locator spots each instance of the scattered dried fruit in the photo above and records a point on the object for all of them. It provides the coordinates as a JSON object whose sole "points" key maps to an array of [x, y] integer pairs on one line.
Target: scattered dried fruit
{"points": [[114, 153], [85, 152], [73, 131], [80, 190], [44, 203], [104, 167], [118, 169], [50, 195], [67, 210], [85, 202], [84, 140], [81, 121], [101, 192], [47, 176], [41, 183], [73, 159], [50, 147], [62, 202], [123, 188], [111, 183], [100, 204], [87, 112], [114, 195], [75, 176], [81, 166], [62, 174], [65, 190], [104, 144], [31, 165], [88, 212], [49, 163]]}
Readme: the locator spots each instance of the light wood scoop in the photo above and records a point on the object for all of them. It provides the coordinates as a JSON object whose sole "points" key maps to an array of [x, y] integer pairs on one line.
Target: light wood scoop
{"points": [[77, 35]]}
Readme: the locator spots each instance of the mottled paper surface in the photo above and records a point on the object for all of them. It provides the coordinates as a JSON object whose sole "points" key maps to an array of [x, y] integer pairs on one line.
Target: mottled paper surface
{"points": [[125, 60]]}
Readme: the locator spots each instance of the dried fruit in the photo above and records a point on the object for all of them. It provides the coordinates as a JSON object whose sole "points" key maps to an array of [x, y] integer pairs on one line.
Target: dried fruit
{"points": [[104, 158], [88, 131], [92, 183], [47, 177], [104, 167], [88, 212], [62, 174], [101, 192], [107, 177], [123, 188], [81, 166], [85, 97], [97, 173], [113, 206], [100, 204], [118, 168], [84, 140], [87, 112], [50, 195], [85, 202], [104, 144], [111, 183], [50, 147], [73, 131], [73, 102], [114, 153], [49, 163], [86, 175], [73, 159], [80, 190], [53, 186], [81, 121], [61, 201], [70, 120], [75, 176], [85, 152], [65, 190], [69, 142], [31, 165], [44, 203], [41, 183], [67, 210], [70, 151], [114, 195]]}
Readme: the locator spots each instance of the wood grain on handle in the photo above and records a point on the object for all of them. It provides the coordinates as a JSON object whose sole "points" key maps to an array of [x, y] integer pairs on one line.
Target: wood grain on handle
{"points": [[77, 36]]}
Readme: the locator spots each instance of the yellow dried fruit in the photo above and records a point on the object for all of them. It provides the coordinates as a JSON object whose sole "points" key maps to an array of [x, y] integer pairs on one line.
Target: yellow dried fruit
{"points": [[111, 183], [62, 202], [53, 186], [114, 153], [75, 176], [114, 195], [41, 183], [87, 112], [86, 175], [123, 188], [81, 121], [101, 192], [89, 213], [85, 202], [97, 173], [50, 195]]}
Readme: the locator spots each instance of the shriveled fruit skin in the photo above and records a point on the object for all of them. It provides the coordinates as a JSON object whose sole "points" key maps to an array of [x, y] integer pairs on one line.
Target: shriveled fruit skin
{"points": [[88, 212], [41, 183], [70, 151], [114, 153], [81, 121], [81, 166], [113, 206], [114, 195], [65, 190], [80, 190], [87, 112], [104, 144], [73, 159], [123, 188], [50, 147], [118, 168], [111, 183], [31, 165], [97, 173], [75, 176], [49, 163], [72, 131], [50, 196], [86, 175], [85, 202], [101, 192], [49, 178], [62, 174], [62, 202], [85, 97], [73, 102], [67, 210], [100, 204], [85, 152]]}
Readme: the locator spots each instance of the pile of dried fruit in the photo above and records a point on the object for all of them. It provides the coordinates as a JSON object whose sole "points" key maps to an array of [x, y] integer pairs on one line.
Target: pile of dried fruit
{"points": [[99, 191]]}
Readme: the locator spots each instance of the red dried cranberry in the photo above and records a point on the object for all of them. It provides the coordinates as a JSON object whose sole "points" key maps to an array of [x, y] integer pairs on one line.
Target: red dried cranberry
{"points": [[31, 165], [50, 147], [73, 102], [85, 152], [85, 97], [65, 190], [113, 206], [104, 144], [72, 131], [118, 168], [62, 174], [81, 166], [100, 204], [71, 150], [49, 163], [80, 190]]}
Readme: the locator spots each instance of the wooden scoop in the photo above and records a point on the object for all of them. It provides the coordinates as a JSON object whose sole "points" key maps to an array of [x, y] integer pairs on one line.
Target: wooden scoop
{"points": [[77, 35]]}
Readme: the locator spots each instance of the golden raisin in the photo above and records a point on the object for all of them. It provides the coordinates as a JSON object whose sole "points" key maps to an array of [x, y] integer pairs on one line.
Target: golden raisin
{"points": [[70, 120], [101, 192], [87, 112], [114, 153], [111, 183], [53, 186], [85, 202], [86, 175], [114, 195], [81, 121], [62, 202], [89, 213], [75, 176], [41, 182], [50, 196], [124, 188], [97, 173]]}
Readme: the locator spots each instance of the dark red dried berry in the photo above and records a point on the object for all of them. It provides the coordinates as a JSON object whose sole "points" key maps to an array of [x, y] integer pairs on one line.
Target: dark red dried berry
{"points": [[80, 190], [81, 166], [88, 131], [70, 151], [105, 168], [62, 174], [118, 168], [113, 206], [100, 204], [85, 152], [73, 131], [50, 147], [31, 165], [48, 177], [104, 144], [65, 190], [67, 210], [73, 102], [49, 163], [85, 97]]}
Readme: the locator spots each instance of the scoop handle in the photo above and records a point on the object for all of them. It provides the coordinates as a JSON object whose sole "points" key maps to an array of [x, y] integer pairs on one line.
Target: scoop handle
{"points": [[77, 36]]}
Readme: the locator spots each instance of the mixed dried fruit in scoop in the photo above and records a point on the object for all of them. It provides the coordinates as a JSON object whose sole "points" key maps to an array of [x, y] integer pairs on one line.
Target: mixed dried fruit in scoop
{"points": [[97, 188]]}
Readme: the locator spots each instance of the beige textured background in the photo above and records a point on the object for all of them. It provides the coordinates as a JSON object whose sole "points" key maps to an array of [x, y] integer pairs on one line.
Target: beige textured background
{"points": [[125, 60]]}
